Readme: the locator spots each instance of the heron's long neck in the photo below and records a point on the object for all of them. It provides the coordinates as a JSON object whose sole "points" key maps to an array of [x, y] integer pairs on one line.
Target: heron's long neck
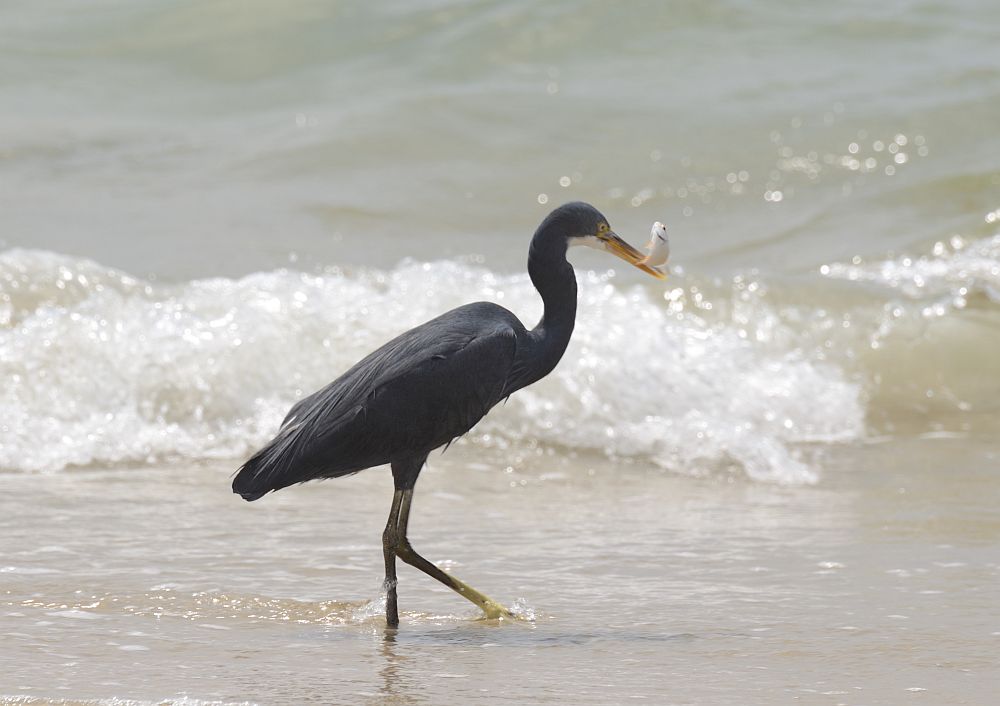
{"points": [[553, 277]]}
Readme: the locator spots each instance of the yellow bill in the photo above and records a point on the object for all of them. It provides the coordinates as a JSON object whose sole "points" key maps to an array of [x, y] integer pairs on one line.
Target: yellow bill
{"points": [[616, 246]]}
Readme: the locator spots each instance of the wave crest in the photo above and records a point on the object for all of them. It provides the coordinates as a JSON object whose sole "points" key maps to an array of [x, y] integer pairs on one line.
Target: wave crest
{"points": [[107, 369]]}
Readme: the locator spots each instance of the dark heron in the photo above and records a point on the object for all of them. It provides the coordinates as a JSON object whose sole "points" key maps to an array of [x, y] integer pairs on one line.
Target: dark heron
{"points": [[430, 385]]}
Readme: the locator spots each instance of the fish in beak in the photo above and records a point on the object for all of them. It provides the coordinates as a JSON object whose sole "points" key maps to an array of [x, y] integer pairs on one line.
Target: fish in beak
{"points": [[616, 246]]}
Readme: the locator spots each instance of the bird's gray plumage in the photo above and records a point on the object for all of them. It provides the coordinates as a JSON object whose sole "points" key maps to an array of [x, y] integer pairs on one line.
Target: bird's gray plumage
{"points": [[417, 392]]}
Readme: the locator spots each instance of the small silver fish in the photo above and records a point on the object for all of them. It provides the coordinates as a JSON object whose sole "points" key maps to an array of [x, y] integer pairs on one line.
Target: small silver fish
{"points": [[658, 247]]}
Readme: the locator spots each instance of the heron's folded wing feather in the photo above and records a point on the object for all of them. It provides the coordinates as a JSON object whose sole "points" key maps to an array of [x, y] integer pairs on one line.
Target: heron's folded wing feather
{"points": [[415, 393]]}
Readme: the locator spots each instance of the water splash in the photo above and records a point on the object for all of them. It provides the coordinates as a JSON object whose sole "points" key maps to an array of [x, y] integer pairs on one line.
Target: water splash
{"points": [[523, 610], [371, 610]]}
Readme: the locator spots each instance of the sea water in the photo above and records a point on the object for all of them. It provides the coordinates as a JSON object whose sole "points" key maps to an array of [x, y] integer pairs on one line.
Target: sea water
{"points": [[771, 478]]}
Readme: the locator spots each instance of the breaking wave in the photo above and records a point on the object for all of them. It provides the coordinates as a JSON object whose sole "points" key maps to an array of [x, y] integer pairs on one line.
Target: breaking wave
{"points": [[744, 375]]}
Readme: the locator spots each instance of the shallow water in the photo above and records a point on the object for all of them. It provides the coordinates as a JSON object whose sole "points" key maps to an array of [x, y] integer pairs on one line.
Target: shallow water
{"points": [[876, 587], [771, 479]]}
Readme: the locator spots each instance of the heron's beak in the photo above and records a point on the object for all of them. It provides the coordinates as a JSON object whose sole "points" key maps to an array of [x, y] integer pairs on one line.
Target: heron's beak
{"points": [[616, 246]]}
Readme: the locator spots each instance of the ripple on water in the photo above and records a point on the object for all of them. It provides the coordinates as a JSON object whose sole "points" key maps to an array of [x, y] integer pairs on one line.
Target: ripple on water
{"points": [[207, 605], [23, 700], [204, 607]]}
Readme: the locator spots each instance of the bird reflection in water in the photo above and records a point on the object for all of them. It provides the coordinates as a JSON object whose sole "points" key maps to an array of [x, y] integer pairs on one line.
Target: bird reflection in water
{"points": [[397, 687]]}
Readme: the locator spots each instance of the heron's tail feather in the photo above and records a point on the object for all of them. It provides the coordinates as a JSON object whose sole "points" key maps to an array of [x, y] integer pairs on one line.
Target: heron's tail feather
{"points": [[268, 469]]}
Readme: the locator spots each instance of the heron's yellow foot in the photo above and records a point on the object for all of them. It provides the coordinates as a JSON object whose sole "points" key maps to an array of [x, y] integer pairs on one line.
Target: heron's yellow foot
{"points": [[490, 607], [495, 611]]}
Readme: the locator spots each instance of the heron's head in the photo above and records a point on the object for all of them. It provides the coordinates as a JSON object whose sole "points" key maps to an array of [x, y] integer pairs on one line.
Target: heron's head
{"points": [[582, 224]]}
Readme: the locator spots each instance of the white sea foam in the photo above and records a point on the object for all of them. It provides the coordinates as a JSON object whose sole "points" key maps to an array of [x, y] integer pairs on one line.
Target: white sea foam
{"points": [[97, 367], [956, 269]]}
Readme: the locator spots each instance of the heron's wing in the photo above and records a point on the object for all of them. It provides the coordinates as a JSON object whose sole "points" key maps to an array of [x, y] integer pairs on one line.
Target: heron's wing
{"points": [[443, 395], [415, 393]]}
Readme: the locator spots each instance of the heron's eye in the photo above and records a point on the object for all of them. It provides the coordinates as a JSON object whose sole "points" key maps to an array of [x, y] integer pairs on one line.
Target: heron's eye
{"points": [[602, 229]]}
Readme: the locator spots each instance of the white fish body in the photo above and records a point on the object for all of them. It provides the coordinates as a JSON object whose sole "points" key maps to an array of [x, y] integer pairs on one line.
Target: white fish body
{"points": [[658, 248]]}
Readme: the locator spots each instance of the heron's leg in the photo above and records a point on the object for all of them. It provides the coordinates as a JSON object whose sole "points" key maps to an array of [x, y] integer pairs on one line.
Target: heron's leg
{"points": [[490, 607], [390, 540]]}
